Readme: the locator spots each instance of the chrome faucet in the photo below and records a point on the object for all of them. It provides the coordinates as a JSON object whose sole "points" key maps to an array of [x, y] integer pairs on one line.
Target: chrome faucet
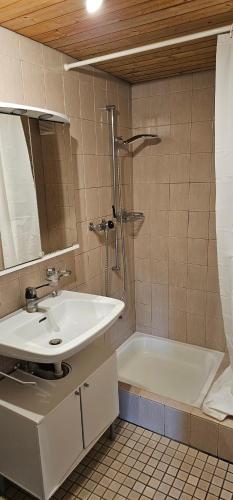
{"points": [[53, 276], [32, 299]]}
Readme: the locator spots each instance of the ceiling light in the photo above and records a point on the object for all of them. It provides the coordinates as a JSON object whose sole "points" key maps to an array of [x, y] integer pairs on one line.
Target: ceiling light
{"points": [[93, 5]]}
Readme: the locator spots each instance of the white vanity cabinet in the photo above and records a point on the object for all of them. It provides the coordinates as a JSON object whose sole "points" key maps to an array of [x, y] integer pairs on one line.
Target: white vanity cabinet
{"points": [[60, 441], [38, 452], [99, 401]]}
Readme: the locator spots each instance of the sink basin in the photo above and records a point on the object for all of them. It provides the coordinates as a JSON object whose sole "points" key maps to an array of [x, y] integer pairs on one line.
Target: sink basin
{"points": [[66, 324]]}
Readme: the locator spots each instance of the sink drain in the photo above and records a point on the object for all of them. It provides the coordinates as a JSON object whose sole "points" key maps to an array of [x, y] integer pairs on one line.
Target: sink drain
{"points": [[55, 341]]}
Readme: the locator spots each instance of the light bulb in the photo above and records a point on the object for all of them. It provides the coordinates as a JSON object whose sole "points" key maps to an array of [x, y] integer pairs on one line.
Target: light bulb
{"points": [[93, 5]]}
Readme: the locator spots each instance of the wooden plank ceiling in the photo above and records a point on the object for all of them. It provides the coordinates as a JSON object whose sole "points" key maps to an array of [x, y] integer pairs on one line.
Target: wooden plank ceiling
{"points": [[120, 24]]}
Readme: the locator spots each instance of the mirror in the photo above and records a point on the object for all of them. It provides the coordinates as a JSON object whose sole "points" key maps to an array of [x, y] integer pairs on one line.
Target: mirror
{"points": [[37, 207]]}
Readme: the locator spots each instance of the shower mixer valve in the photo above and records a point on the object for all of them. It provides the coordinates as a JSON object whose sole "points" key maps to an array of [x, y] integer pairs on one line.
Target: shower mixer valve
{"points": [[104, 225]]}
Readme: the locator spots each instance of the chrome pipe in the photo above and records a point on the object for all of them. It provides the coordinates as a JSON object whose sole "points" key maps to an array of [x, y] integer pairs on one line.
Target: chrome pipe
{"points": [[112, 111]]}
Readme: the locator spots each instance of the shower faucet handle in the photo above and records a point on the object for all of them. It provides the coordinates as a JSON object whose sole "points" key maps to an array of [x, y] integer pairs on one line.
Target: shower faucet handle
{"points": [[104, 225]]}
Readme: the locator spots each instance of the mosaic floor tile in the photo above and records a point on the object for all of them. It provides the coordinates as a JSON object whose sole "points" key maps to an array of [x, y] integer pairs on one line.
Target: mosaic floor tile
{"points": [[142, 465]]}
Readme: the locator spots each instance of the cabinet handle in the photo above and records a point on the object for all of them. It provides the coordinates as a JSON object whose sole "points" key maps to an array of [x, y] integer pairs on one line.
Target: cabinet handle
{"points": [[86, 384], [76, 393]]}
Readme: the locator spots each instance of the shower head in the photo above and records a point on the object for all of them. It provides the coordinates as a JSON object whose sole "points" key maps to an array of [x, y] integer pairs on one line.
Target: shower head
{"points": [[136, 137]]}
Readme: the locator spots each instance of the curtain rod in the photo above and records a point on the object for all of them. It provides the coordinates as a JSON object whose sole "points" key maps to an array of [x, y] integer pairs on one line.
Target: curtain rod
{"points": [[151, 46]]}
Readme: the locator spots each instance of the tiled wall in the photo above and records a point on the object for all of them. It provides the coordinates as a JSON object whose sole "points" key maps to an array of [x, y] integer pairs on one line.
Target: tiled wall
{"points": [[177, 293], [33, 74]]}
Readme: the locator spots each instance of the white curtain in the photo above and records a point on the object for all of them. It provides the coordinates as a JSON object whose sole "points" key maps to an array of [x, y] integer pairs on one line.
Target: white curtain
{"points": [[19, 222], [219, 402]]}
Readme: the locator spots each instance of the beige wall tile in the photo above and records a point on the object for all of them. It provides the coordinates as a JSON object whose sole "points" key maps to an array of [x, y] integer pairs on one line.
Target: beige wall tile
{"points": [[104, 171], [158, 111], [186, 169], [213, 305], [81, 266], [142, 270], [91, 177], [89, 137], [197, 251], [178, 273], [9, 295], [179, 196], [76, 132], [159, 272], [196, 302], [180, 83], [160, 322], [142, 198], [177, 298], [9, 43], [180, 139], [197, 277], [196, 329], [177, 325], [160, 297], [212, 226], [72, 94], [199, 196], [198, 225], [202, 137], [92, 203], [11, 86], [34, 84], [143, 314], [201, 167], [178, 249], [212, 253], [212, 279], [180, 106], [159, 196], [215, 338], [143, 292], [52, 59], [179, 168], [159, 223], [204, 434], [159, 248], [203, 79], [178, 223], [30, 51], [54, 91], [87, 107], [142, 246], [212, 196], [80, 205], [202, 104]]}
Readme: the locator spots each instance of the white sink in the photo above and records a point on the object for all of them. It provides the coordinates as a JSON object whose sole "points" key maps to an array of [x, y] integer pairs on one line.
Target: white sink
{"points": [[75, 319]]}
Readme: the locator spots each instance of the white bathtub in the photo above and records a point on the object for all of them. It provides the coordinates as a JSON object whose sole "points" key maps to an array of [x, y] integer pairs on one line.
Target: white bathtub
{"points": [[172, 369]]}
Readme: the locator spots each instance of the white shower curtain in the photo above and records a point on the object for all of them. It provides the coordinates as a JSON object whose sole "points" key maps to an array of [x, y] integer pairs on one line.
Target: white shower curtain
{"points": [[19, 222], [219, 402]]}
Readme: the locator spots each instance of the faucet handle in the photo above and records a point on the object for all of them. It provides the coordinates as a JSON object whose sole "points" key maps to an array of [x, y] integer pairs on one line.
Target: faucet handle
{"points": [[30, 293], [64, 273], [51, 271], [53, 275]]}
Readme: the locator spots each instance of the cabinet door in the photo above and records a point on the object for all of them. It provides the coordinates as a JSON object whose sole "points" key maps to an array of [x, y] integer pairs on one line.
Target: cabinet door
{"points": [[60, 438], [99, 400]]}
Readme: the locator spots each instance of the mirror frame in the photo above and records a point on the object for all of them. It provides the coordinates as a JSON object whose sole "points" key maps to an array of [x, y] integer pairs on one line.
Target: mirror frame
{"points": [[8, 108]]}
